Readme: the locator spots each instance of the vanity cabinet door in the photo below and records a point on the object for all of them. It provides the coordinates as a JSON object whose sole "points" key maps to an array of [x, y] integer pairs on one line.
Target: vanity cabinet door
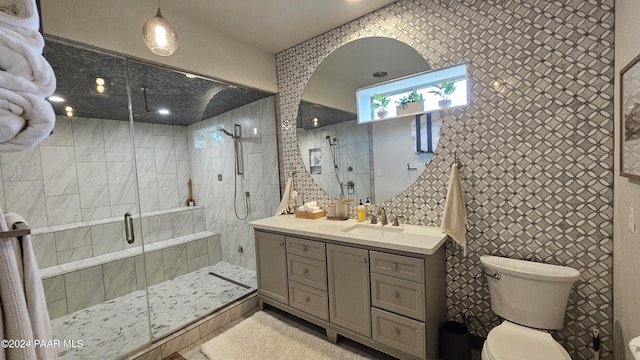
{"points": [[271, 263], [349, 288]]}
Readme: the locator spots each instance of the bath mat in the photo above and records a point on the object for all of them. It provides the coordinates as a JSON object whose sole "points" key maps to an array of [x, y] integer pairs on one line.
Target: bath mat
{"points": [[263, 337]]}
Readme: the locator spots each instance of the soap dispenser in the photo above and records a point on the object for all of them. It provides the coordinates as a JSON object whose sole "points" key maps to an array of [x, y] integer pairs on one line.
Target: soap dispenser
{"points": [[362, 212]]}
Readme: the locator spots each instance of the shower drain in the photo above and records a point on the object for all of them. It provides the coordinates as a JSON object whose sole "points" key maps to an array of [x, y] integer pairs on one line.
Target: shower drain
{"points": [[230, 280]]}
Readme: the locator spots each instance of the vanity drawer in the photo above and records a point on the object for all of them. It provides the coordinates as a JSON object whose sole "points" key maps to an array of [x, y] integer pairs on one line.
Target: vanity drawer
{"points": [[400, 296], [398, 332], [307, 248], [307, 271], [397, 266], [312, 301]]}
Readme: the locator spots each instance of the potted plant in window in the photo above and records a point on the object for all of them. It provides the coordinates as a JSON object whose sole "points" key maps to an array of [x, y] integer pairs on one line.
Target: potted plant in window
{"points": [[380, 103], [445, 89], [410, 104]]}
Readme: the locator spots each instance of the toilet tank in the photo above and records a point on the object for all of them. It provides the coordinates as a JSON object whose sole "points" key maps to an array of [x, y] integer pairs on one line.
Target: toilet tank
{"points": [[529, 293]]}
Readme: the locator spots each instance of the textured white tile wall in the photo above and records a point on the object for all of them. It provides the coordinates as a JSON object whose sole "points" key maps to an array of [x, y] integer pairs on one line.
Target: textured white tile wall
{"points": [[84, 171], [212, 154]]}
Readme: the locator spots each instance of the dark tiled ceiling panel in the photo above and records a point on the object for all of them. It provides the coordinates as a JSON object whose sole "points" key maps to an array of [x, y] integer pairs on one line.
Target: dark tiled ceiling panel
{"points": [[188, 100], [326, 115]]}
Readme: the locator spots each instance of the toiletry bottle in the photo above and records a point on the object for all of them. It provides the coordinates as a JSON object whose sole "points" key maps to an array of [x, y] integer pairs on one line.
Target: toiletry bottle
{"points": [[362, 212]]}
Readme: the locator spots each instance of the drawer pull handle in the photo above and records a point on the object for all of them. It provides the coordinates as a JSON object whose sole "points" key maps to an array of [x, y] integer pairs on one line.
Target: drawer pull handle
{"points": [[305, 271], [364, 260], [397, 331], [304, 248], [308, 299], [394, 266], [395, 296], [282, 244]]}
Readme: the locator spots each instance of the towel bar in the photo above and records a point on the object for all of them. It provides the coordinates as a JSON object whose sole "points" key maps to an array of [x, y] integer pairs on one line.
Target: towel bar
{"points": [[20, 229]]}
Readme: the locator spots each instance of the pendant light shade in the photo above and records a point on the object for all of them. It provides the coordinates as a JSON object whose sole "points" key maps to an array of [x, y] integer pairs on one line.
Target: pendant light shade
{"points": [[159, 36]]}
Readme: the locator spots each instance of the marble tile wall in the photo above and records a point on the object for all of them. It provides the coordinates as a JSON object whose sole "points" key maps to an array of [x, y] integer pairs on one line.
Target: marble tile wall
{"points": [[353, 150], [80, 289], [214, 179], [61, 245], [84, 171]]}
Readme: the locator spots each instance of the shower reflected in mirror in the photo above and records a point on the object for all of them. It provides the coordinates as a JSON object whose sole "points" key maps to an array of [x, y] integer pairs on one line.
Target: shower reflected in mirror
{"points": [[239, 165]]}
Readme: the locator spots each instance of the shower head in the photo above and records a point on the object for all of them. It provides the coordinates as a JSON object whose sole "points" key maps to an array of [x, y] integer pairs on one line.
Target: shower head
{"points": [[328, 137], [222, 130]]}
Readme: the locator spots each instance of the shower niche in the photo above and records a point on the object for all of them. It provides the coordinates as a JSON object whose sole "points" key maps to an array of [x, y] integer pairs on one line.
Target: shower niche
{"points": [[315, 161], [129, 137]]}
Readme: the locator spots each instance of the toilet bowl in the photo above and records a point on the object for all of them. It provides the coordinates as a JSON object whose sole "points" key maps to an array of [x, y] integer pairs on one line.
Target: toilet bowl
{"points": [[509, 341], [531, 298]]}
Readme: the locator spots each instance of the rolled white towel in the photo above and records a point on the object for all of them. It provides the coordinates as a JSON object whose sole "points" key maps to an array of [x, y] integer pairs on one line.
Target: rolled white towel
{"points": [[26, 78], [22, 64], [32, 114], [311, 203], [311, 208], [20, 13]]}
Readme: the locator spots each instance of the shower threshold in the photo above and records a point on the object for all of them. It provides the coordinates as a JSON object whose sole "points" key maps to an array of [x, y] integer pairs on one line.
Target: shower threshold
{"points": [[115, 327]]}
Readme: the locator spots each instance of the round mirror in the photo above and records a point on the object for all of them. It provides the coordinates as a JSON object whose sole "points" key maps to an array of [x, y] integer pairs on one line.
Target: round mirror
{"points": [[376, 160]]}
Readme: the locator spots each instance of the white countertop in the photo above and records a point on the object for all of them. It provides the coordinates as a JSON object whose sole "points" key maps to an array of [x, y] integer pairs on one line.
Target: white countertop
{"points": [[424, 240]]}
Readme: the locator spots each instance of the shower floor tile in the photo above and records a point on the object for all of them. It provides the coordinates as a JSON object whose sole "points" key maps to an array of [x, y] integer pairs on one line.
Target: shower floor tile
{"points": [[115, 327]]}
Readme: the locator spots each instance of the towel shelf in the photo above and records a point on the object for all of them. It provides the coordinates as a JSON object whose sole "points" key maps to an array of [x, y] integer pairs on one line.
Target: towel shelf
{"points": [[20, 229]]}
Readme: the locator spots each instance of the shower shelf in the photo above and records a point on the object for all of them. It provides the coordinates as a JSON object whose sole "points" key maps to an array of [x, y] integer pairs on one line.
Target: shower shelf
{"points": [[119, 255], [54, 228]]}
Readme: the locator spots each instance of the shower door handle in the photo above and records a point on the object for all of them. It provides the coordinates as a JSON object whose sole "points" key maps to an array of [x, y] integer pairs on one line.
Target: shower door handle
{"points": [[128, 228]]}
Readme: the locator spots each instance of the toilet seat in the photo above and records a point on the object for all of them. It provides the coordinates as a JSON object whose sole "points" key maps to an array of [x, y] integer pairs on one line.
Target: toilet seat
{"points": [[509, 341]]}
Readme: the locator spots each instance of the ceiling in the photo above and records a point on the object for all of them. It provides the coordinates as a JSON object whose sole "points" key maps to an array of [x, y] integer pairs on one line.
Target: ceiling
{"points": [[189, 100], [273, 25], [352, 67]]}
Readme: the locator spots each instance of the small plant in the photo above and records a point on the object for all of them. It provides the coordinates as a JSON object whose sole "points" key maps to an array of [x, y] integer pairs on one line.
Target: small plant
{"points": [[413, 97], [445, 89], [380, 102]]}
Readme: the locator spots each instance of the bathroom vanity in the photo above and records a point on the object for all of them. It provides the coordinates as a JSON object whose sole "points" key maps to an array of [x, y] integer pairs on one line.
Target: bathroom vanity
{"points": [[382, 286]]}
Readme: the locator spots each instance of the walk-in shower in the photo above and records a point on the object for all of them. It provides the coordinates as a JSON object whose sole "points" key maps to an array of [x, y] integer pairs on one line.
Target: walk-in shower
{"points": [[115, 155], [239, 170], [332, 148]]}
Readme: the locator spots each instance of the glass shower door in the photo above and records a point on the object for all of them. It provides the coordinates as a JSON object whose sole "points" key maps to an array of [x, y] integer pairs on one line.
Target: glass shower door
{"points": [[94, 279], [186, 170]]}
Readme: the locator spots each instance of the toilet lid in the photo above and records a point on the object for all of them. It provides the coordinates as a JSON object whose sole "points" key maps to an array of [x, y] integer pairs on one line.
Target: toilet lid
{"points": [[511, 341]]}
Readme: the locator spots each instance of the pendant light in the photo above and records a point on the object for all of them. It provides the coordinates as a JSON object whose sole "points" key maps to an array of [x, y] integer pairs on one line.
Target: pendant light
{"points": [[159, 36]]}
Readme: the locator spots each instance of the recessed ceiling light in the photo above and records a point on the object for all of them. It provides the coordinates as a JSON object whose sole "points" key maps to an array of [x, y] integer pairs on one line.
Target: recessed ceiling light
{"points": [[100, 81], [68, 108], [315, 122], [55, 98], [164, 112], [380, 74], [70, 113]]}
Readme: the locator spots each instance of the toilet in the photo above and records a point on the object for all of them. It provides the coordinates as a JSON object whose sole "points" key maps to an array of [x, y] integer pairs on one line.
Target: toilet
{"points": [[532, 299]]}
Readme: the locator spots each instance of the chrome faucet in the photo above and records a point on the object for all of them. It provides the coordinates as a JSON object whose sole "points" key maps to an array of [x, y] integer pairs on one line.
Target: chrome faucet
{"points": [[395, 220], [383, 216]]}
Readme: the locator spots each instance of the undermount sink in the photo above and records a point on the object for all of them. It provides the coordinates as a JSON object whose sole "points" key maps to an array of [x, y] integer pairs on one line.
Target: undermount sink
{"points": [[373, 230]]}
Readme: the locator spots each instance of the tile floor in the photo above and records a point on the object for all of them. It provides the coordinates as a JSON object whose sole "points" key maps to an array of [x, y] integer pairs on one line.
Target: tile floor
{"points": [[113, 328]]}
